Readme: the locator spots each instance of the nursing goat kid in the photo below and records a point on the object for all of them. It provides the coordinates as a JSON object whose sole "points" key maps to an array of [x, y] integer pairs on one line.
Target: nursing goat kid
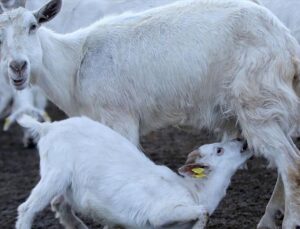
{"points": [[82, 162], [227, 64]]}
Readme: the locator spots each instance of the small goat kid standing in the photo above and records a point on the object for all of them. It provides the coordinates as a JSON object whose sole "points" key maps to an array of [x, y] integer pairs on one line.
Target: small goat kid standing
{"points": [[102, 174]]}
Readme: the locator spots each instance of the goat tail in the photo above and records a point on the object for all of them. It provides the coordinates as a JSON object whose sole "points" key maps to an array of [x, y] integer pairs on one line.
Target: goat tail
{"points": [[37, 128]]}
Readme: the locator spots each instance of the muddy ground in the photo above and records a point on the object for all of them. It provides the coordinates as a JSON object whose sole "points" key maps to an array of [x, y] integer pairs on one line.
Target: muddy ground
{"points": [[241, 209]]}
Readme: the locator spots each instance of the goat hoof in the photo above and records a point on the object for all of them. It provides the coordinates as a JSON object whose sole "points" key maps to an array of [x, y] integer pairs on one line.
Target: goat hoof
{"points": [[56, 203], [297, 227], [30, 143], [279, 216]]}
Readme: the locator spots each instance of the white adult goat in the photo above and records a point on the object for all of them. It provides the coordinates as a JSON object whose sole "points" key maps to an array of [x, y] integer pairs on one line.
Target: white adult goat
{"points": [[83, 162], [69, 20], [32, 102], [208, 64]]}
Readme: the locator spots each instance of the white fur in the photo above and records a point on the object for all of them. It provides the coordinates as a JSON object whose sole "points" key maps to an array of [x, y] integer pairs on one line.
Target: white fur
{"points": [[208, 64], [83, 161], [77, 14], [288, 12], [74, 15], [31, 101]]}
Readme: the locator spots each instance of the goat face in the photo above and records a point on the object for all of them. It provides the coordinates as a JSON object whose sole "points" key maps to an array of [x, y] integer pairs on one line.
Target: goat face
{"points": [[21, 51], [229, 155]]}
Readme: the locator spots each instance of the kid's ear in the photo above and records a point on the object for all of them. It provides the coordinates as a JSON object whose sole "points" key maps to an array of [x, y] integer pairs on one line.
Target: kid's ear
{"points": [[194, 170], [191, 158]]}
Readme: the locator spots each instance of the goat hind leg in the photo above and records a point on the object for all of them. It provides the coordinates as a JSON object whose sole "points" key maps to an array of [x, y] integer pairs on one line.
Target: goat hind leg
{"points": [[177, 215], [65, 214]]}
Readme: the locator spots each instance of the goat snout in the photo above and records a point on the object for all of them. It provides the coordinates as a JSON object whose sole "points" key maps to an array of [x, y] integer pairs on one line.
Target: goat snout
{"points": [[244, 146], [18, 66], [193, 156]]}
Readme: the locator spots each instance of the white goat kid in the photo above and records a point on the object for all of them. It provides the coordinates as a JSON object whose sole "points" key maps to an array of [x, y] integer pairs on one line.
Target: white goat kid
{"points": [[80, 161], [207, 64], [32, 102]]}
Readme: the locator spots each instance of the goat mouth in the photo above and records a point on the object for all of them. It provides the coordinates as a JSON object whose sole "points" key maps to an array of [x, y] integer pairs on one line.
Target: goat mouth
{"points": [[19, 83]]}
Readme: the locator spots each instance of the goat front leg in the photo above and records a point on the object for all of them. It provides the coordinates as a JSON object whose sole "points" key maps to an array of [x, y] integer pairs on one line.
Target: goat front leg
{"points": [[49, 186], [180, 215], [65, 214], [275, 204]]}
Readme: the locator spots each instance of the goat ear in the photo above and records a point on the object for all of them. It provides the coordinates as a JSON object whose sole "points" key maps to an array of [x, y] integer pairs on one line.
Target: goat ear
{"points": [[48, 11], [191, 158], [194, 170]]}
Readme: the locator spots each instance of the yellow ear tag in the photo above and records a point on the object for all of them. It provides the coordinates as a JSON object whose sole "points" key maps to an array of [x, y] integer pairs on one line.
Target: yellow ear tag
{"points": [[46, 117], [199, 173], [7, 123]]}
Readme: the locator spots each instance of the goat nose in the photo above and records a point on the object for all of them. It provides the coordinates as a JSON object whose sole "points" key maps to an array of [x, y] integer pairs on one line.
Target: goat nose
{"points": [[18, 66], [245, 146]]}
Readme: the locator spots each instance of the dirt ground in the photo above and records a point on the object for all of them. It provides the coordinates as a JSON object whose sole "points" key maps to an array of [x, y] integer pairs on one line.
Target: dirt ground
{"points": [[241, 209]]}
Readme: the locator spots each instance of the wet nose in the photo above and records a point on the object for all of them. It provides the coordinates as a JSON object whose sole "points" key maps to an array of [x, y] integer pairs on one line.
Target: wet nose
{"points": [[18, 66], [245, 146]]}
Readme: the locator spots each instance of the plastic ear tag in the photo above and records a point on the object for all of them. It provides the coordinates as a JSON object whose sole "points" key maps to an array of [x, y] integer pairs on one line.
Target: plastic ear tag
{"points": [[7, 124], [199, 173], [46, 117]]}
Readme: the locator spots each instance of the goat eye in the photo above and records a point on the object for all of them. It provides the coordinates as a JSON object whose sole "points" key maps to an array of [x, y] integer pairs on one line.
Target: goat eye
{"points": [[32, 28], [220, 151]]}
